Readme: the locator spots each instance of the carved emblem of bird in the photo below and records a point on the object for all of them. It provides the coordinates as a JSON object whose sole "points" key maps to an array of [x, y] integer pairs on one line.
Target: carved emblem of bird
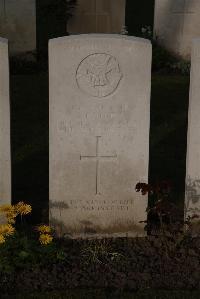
{"points": [[97, 70]]}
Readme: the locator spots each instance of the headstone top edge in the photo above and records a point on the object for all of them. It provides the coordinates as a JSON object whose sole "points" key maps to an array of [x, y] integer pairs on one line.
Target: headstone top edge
{"points": [[3, 40], [99, 36], [196, 41]]}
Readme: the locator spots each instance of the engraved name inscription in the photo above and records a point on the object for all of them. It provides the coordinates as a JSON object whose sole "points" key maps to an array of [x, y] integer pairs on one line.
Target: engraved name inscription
{"points": [[98, 75], [101, 119]]}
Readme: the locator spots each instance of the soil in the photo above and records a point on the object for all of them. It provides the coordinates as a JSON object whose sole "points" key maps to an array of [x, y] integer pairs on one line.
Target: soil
{"points": [[119, 264]]}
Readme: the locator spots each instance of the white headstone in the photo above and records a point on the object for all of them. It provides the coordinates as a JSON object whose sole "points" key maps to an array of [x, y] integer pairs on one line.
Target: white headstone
{"points": [[18, 24], [176, 23], [99, 133], [5, 162], [192, 200]]}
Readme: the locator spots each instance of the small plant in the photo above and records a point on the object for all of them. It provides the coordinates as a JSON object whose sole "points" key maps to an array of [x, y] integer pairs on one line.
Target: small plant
{"points": [[162, 215], [99, 252], [161, 208], [192, 224], [124, 30], [19, 246], [147, 32], [159, 204], [57, 7], [21, 209], [10, 213]]}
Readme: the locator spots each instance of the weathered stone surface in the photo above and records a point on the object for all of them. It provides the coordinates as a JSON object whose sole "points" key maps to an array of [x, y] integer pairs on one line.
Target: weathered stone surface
{"points": [[176, 23], [98, 16], [5, 165], [99, 133], [192, 195]]}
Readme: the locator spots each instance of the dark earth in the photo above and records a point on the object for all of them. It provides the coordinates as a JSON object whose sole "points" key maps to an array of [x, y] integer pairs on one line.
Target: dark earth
{"points": [[113, 265]]}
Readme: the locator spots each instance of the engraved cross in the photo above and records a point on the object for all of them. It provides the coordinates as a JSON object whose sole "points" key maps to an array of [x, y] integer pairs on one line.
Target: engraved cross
{"points": [[97, 158]]}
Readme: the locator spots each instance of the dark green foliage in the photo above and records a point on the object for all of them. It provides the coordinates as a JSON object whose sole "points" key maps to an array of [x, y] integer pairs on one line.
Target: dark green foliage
{"points": [[164, 61], [161, 58], [51, 22], [23, 251], [62, 8], [138, 13]]}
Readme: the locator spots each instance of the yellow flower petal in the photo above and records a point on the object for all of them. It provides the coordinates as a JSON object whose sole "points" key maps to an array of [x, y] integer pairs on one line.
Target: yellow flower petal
{"points": [[2, 239], [23, 208], [6, 208], [6, 229], [45, 239], [11, 220], [44, 229]]}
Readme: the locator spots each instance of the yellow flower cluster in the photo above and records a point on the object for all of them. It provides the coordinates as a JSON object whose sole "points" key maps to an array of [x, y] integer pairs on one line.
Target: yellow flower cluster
{"points": [[11, 212], [5, 208], [22, 208], [5, 231], [45, 237]]}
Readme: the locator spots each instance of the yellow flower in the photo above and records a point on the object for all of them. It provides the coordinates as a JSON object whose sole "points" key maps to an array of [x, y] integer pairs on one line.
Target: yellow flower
{"points": [[11, 219], [2, 239], [6, 229], [5, 208], [11, 215], [45, 239], [44, 229], [9, 212], [22, 208]]}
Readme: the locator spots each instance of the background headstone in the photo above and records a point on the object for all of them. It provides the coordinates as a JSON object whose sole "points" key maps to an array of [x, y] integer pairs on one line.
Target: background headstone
{"points": [[18, 24], [99, 133], [176, 23], [98, 16], [192, 200], [5, 163]]}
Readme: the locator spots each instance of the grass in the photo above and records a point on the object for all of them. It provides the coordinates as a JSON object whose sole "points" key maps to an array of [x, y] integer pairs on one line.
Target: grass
{"points": [[29, 120]]}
